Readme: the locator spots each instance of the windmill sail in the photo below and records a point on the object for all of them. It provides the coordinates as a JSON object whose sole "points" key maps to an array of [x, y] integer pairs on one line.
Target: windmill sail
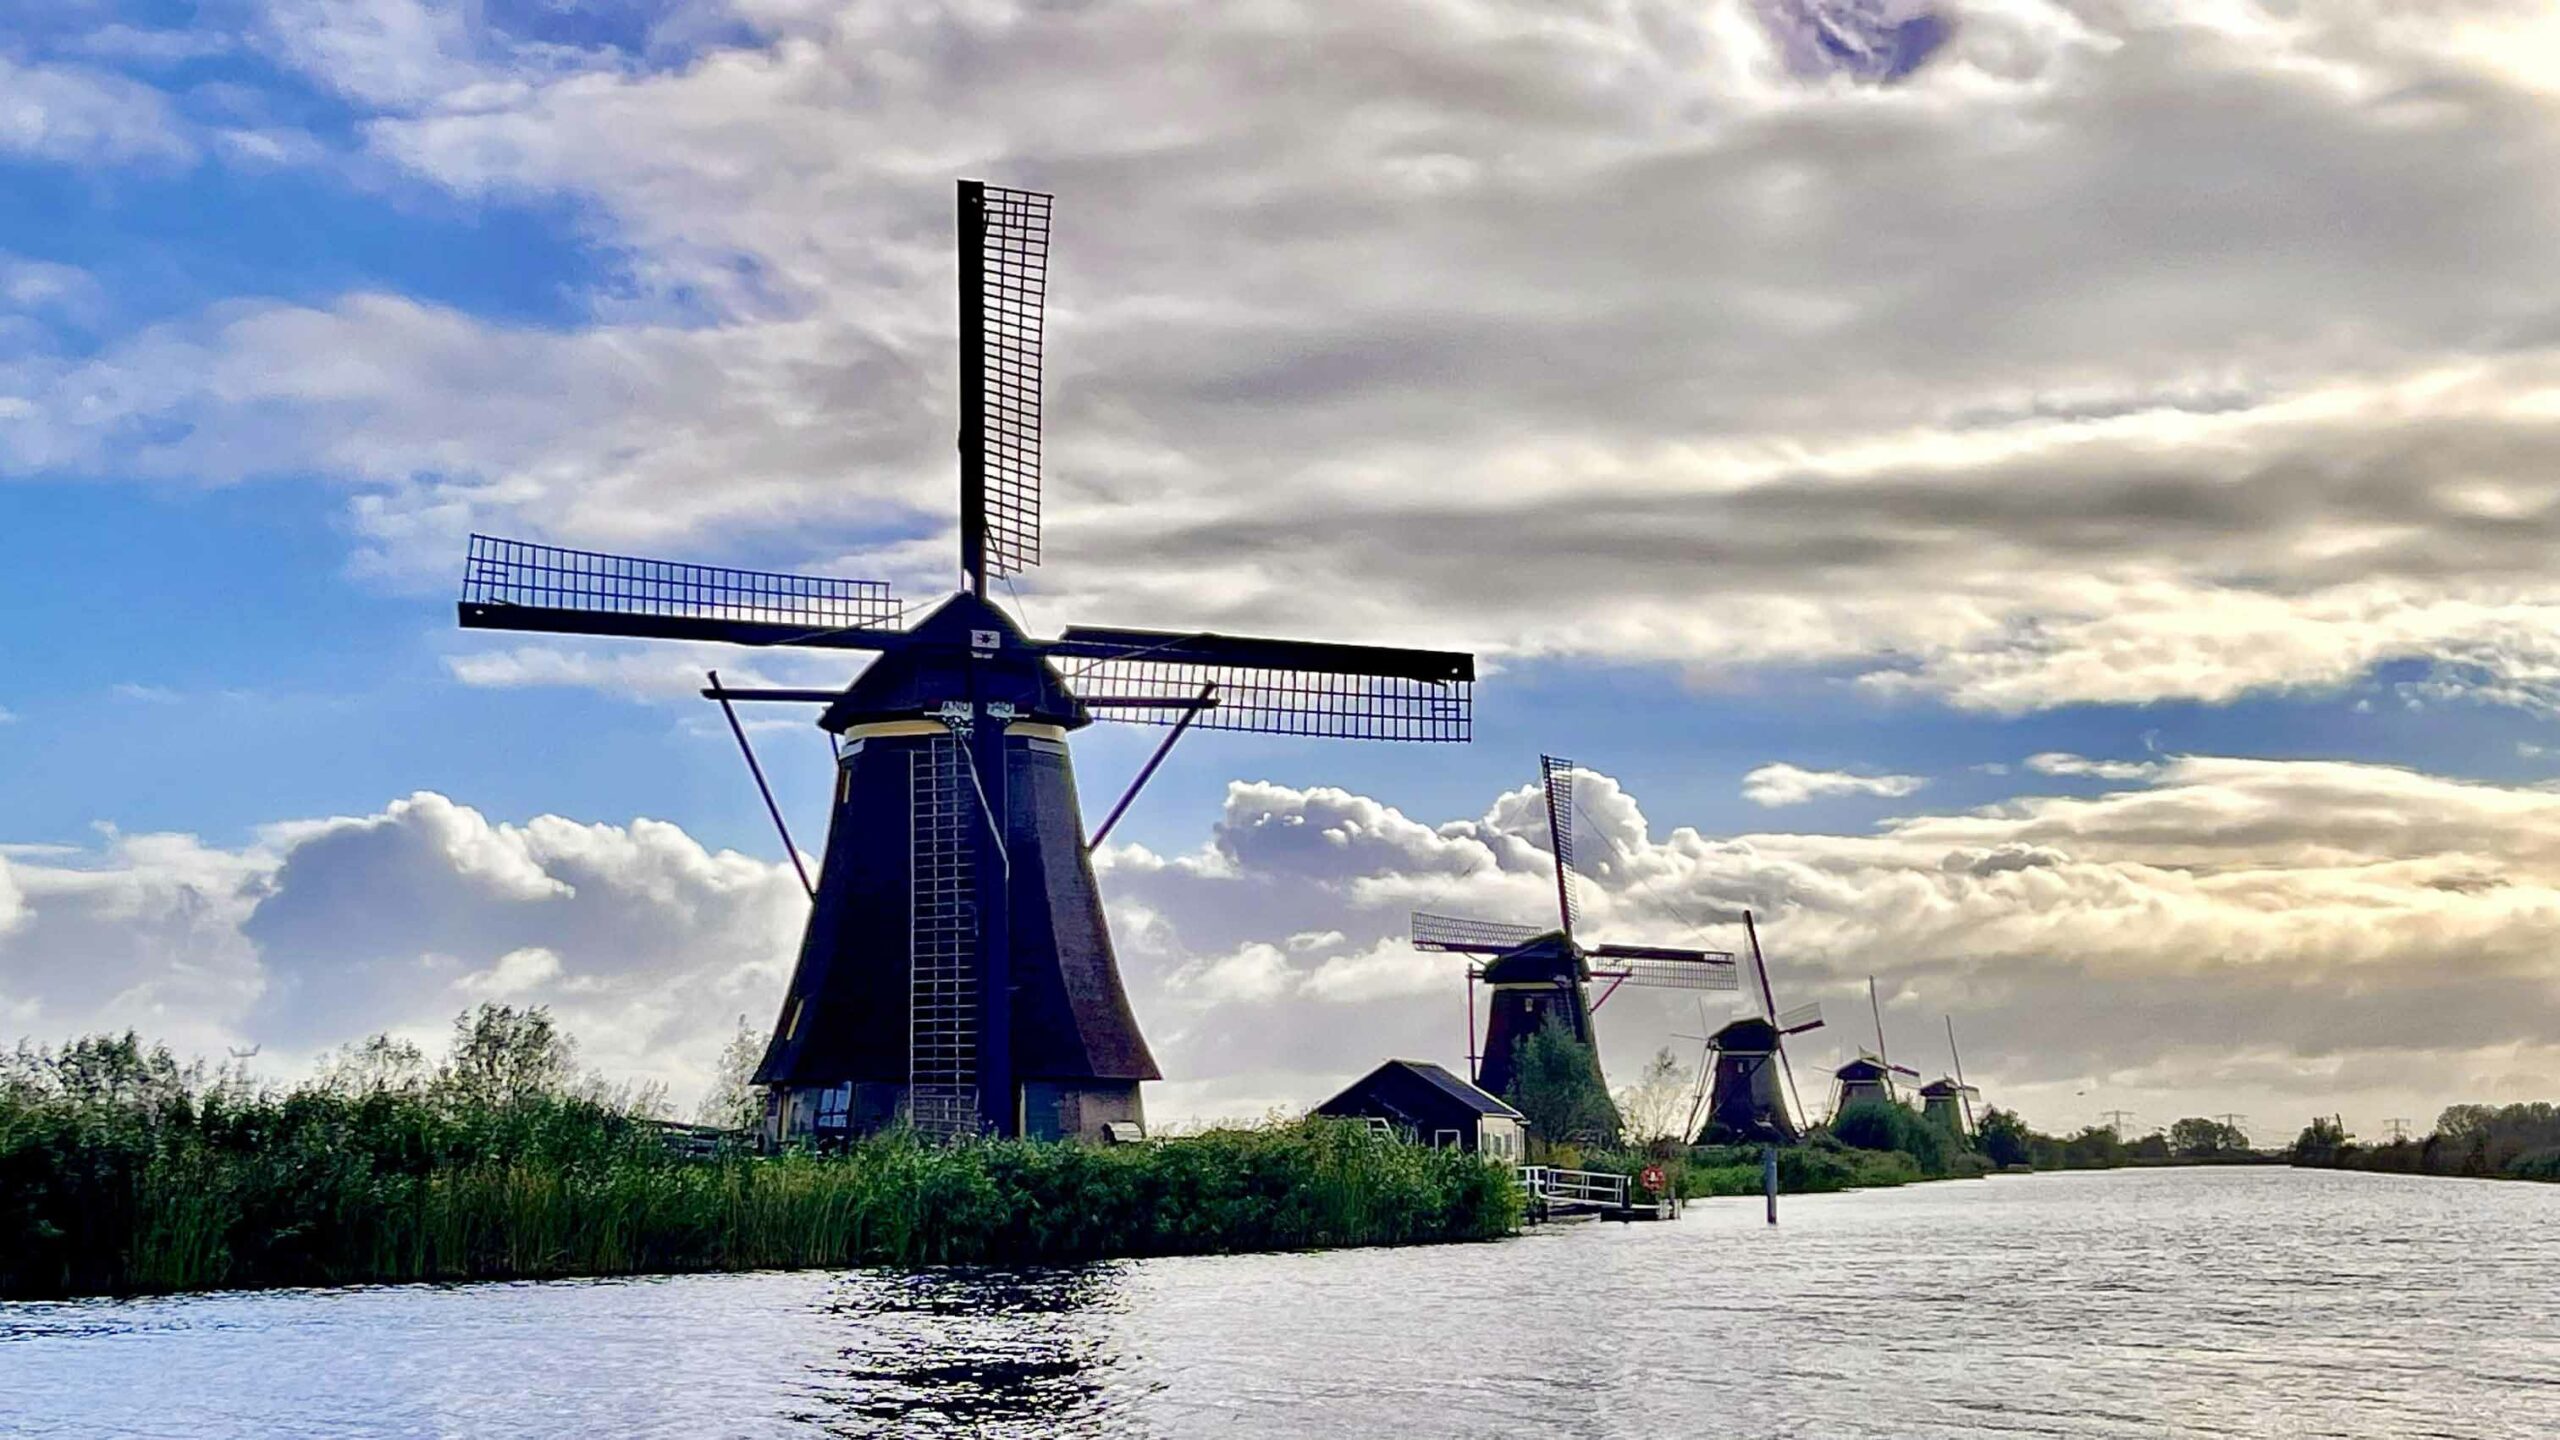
{"points": [[1657, 969], [520, 585], [1004, 281], [1276, 687], [1556, 776], [1469, 937]]}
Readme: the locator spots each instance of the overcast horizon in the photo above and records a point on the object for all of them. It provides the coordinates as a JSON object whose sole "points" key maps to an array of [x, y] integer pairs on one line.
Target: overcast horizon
{"points": [[2050, 503]]}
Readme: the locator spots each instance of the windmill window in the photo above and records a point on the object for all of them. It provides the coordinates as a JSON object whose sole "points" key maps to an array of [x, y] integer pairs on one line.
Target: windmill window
{"points": [[835, 1106]]}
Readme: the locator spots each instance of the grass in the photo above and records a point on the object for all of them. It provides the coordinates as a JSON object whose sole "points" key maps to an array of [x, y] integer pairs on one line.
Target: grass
{"points": [[151, 1180]]}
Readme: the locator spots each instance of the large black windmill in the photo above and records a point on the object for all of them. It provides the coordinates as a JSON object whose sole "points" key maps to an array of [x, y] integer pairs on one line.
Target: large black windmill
{"points": [[1745, 1104], [956, 968], [1537, 974]]}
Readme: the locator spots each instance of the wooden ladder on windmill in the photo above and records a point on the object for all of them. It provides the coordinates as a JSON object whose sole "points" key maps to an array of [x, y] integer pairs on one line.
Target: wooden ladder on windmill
{"points": [[942, 1011]]}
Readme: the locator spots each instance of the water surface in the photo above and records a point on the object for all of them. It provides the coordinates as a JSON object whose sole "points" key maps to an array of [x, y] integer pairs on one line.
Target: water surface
{"points": [[2193, 1302]]}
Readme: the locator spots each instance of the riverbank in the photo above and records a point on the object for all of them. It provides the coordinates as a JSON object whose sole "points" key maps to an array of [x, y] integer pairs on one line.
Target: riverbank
{"points": [[2480, 1142], [121, 1173]]}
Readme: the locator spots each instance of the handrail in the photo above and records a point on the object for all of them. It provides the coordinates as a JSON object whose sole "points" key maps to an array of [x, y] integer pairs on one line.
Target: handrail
{"points": [[1573, 1187]]}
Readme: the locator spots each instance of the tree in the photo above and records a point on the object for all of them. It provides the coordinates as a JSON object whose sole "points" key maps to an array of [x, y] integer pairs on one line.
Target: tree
{"points": [[2196, 1138], [502, 1055], [1656, 1108], [733, 1103], [2323, 1142], [375, 1065], [2094, 1147], [1884, 1125], [2004, 1138], [1555, 1081]]}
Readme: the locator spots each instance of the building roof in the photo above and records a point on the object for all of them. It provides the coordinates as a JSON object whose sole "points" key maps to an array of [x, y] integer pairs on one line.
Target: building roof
{"points": [[1438, 1080], [1541, 959]]}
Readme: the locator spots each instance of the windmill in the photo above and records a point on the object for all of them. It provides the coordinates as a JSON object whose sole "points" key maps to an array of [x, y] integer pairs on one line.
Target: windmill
{"points": [[1537, 974], [1947, 1100], [956, 969], [1746, 1105], [1872, 1076]]}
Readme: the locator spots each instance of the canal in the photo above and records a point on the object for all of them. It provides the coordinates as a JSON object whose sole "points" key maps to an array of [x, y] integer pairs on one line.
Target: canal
{"points": [[2187, 1302]]}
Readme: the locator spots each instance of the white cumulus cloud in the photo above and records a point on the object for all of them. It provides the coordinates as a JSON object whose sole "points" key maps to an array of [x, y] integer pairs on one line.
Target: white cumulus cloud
{"points": [[1778, 784]]}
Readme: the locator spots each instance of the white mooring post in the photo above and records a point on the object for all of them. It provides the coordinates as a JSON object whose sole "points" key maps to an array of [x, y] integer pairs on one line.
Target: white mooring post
{"points": [[1769, 1179]]}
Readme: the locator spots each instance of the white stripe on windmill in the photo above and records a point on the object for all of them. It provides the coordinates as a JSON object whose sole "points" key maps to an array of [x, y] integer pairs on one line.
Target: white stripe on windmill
{"points": [[1540, 974]]}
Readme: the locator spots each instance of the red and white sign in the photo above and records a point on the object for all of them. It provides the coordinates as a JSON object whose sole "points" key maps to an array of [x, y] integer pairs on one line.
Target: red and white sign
{"points": [[1652, 1178]]}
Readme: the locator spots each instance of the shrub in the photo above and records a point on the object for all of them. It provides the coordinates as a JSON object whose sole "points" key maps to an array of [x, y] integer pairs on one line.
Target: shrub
{"points": [[1876, 1125], [120, 1172]]}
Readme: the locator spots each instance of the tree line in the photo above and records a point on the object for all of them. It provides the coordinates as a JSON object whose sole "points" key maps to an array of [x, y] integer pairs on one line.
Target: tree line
{"points": [[2508, 1142], [123, 1170]]}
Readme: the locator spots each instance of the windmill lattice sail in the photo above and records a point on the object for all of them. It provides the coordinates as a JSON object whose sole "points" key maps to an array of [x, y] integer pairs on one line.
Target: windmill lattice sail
{"points": [[1556, 777], [522, 585], [1466, 936], [1276, 687], [1001, 369], [957, 968], [1701, 970]]}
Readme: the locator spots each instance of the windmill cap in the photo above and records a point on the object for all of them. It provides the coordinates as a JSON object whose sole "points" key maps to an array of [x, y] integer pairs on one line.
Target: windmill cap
{"points": [[966, 650], [1541, 959]]}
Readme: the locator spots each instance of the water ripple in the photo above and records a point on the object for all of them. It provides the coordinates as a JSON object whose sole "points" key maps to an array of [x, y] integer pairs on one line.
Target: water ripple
{"points": [[2206, 1303]]}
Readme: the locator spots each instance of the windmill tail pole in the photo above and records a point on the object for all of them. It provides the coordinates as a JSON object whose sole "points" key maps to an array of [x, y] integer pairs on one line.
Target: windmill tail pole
{"points": [[762, 788], [1148, 772], [1788, 1069]]}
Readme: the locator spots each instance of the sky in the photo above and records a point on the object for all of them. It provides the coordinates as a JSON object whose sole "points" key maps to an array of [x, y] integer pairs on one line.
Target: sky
{"points": [[2049, 503]]}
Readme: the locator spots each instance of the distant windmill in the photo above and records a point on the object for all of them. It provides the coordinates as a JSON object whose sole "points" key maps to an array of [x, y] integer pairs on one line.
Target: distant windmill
{"points": [[1871, 1076], [1537, 974], [1948, 1100], [1746, 1104], [956, 969]]}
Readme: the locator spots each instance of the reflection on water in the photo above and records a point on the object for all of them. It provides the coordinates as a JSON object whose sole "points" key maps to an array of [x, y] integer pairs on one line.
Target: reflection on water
{"points": [[2229, 1303], [967, 1352]]}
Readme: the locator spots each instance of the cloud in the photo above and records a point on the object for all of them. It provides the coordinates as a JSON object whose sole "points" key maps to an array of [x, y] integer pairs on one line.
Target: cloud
{"points": [[517, 973], [1997, 385], [2277, 937], [645, 943], [1779, 784], [2055, 762], [648, 671], [72, 114]]}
